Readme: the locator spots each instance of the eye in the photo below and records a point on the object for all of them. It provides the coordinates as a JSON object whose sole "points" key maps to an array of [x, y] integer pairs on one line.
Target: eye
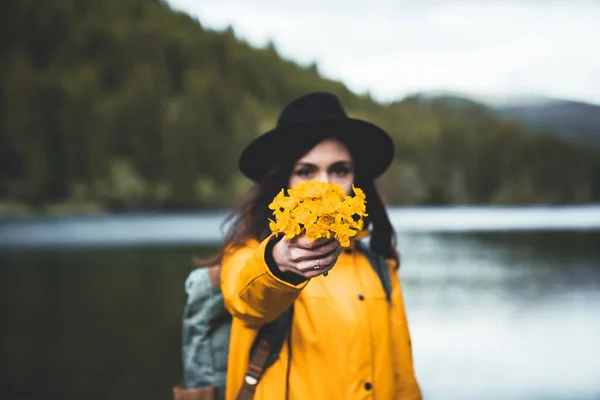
{"points": [[341, 170], [303, 172]]}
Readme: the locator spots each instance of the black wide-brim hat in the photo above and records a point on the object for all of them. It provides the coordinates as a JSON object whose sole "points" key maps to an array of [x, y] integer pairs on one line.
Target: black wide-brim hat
{"points": [[319, 115]]}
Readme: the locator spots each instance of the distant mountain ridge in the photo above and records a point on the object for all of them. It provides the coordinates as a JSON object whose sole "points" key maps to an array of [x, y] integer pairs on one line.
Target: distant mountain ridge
{"points": [[575, 121]]}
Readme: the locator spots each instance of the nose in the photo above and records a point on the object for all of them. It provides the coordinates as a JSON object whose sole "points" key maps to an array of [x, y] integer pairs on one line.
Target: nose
{"points": [[322, 176]]}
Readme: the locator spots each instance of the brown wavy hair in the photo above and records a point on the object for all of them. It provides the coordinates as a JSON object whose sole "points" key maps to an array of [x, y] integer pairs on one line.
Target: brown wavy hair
{"points": [[250, 219]]}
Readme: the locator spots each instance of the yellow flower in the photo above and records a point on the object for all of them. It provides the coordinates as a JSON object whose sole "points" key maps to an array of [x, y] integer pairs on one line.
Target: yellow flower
{"points": [[337, 189], [344, 239], [358, 206], [320, 209], [347, 208], [292, 229], [360, 224], [283, 201], [302, 213], [340, 219], [273, 226], [314, 232], [332, 201], [324, 206], [359, 193], [282, 218], [308, 190], [342, 229], [275, 204], [326, 220], [343, 233]]}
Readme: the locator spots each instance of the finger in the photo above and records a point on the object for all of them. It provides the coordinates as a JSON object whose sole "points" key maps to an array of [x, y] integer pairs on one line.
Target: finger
{"points": [[330, 259], [297, 255], [304, 243], [319, 264], [326, 247], [307, 271], [312, 272], [312, 268]]}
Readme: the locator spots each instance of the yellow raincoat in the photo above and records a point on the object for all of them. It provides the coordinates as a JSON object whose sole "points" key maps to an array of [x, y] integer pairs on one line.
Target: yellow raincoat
{"points": [[347, 342]]}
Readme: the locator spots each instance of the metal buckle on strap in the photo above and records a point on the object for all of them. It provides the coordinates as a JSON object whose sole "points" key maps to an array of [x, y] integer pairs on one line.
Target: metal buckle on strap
{"points": [[250, 380]]}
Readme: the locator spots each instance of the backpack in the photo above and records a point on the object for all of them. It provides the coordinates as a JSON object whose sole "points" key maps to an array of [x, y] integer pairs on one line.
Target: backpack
{"points": [[207, 327]]}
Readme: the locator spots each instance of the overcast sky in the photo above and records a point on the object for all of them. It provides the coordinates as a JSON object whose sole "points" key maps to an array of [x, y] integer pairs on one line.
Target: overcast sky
{"points": [[394, 48]]}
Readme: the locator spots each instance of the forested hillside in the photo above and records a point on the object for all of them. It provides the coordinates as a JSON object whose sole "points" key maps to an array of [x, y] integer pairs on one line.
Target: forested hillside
{"points": [[128, 105]]}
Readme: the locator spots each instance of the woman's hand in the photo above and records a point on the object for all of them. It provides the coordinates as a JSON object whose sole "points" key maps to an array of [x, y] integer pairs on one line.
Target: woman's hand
{"points": [[309, 259]]}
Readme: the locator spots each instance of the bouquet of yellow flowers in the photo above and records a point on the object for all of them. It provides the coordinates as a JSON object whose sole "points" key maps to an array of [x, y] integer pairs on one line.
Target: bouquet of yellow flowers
{"points": [[321, 210]]}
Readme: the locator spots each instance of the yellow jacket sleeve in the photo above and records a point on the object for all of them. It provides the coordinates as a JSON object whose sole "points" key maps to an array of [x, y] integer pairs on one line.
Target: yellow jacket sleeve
{"points": [[251, 292], [407, 387]]}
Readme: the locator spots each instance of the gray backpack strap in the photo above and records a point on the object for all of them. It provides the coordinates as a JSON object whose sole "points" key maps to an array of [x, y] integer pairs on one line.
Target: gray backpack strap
{"points": [[206, 332], [381, 268]]}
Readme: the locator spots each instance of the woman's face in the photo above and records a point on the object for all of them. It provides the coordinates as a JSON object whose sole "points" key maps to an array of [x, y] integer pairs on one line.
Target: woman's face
{"points": [[329, 161]]}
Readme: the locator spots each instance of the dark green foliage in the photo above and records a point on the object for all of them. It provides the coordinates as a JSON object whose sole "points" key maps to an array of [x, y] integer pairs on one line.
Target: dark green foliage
{"points": [[129, 105]]}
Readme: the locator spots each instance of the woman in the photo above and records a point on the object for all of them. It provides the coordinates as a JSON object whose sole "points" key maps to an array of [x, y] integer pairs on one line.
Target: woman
{"points": [[346, 340]]}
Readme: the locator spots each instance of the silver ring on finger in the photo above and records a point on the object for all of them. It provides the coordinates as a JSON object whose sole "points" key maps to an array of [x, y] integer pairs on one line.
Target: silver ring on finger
{"points": [[318, 266]]}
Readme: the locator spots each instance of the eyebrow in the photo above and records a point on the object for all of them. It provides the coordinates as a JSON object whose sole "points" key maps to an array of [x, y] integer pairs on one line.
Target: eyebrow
{"points": [[308, 164]]}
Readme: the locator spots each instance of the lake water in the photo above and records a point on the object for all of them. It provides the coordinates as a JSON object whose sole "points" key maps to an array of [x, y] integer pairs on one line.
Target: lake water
{"points": [[503, 303]]}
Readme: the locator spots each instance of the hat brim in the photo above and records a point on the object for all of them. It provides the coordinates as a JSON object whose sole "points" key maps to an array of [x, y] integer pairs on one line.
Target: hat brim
{"points": [[371, 147]]}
